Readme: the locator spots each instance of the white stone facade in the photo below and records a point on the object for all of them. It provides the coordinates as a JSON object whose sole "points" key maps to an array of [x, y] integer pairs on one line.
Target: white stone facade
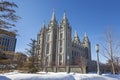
{"points": [[56, 47]]}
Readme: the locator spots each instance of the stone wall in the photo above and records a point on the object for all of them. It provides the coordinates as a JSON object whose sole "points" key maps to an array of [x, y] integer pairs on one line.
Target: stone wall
{"points": [[75, 69]]}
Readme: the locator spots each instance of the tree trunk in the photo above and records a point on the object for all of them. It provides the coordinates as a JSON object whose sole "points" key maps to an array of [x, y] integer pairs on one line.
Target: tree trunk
{"points": [[111, 56], [113, 67]]}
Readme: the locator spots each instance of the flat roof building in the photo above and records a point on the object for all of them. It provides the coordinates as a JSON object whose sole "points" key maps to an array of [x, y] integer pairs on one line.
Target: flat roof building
{"points": [[7, 40]]}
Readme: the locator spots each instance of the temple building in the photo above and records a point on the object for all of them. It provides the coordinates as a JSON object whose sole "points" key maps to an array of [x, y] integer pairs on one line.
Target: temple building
{"points": [[56, 46]]}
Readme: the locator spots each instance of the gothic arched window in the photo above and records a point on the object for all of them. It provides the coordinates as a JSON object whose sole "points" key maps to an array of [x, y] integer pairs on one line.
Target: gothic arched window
{"points": [[60, 49], [60, 42], [60, 59], [47, 48]]}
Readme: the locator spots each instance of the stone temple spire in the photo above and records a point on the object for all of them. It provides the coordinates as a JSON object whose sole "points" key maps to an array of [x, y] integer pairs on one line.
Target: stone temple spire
{"points": [[86, 37], [53, 22], [64, 16], [44, 26], [64, 19], [53, 16], [76, 34], [76, 38]]}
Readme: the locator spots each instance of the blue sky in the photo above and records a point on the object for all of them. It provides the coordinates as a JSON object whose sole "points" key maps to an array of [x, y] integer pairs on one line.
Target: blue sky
{"points": [[90, 16]]}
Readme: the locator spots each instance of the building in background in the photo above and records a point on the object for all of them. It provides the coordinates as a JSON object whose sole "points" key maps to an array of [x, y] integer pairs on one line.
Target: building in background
{"points": [[7, 40], [56, 46], [19, 58]]}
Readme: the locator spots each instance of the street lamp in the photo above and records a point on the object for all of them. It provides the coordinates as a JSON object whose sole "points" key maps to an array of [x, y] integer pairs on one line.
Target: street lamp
{"points": [[97, 51], [68, 65]]}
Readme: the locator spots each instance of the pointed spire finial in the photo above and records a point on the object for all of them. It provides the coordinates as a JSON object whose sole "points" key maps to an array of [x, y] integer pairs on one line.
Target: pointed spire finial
{"points": [[76, 37], [64, 16], [76, 34], [53, 15], [43, 24], [85, 35]]}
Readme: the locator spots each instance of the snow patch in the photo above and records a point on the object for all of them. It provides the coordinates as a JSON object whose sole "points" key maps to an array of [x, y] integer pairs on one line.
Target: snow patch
{"points": [[56, 76]]}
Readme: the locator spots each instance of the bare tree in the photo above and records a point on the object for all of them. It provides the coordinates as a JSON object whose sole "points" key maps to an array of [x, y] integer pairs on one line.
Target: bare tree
{"points": [[82, 63], [117, 64], [110, 47]]}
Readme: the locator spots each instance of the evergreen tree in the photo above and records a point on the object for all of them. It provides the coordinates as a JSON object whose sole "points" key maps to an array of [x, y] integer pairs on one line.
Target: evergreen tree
{"points": [[32, 56], [8, 15], [8, 18]]}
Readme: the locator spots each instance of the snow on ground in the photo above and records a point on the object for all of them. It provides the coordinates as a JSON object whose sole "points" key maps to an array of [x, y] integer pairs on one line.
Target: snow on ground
{"points": [[95, 77], [56, 76], [4, 78], [39, 76]]}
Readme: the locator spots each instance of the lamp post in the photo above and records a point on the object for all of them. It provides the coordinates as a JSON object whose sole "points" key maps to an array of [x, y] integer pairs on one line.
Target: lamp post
{"points": [[97, 51], [68, 65]]}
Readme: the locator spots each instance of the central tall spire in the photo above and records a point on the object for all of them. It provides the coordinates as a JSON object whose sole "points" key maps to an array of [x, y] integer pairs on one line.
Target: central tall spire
{"points": [[44, 26], [53, 15], [64, 16], [76, 34], [85, 35], [64, 19], [53, 22]]}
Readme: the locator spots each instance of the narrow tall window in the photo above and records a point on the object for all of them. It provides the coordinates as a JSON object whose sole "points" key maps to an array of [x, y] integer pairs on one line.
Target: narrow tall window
{"points": [[60, 59], [60, 49], [61, 35], [47, 49], [60, 42], [48, 37], [46, 61], [39, 41]]}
